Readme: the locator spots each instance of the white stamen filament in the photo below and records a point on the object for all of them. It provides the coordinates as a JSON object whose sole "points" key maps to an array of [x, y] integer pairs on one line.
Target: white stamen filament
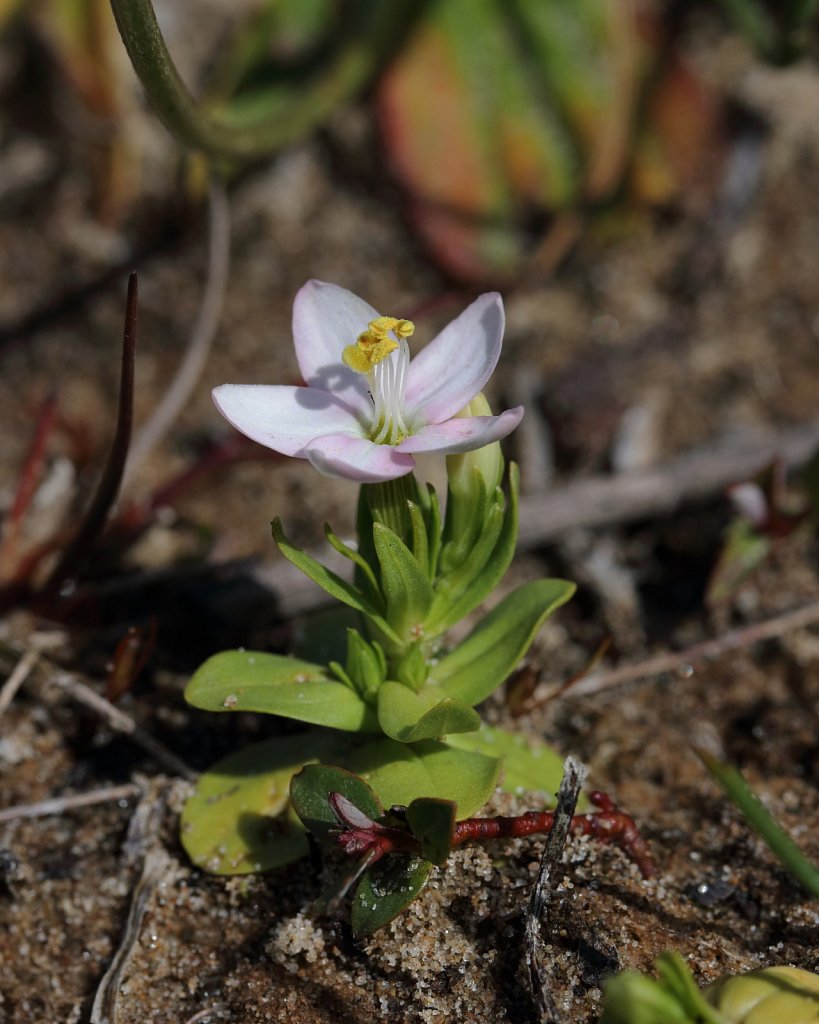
{"points": [[388, 384]]}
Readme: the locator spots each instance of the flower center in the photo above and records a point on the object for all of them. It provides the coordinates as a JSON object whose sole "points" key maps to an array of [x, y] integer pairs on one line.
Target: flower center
{"points": [[381, 352]]}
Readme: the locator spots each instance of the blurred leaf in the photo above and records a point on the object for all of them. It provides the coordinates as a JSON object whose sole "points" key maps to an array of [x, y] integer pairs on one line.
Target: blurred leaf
{"points": [[743, 551], [385, 890], [401, 772], [310, 790], [235, 822], [274, 685], [537, 109], [526, 764], [433, 824], [428, 714]]}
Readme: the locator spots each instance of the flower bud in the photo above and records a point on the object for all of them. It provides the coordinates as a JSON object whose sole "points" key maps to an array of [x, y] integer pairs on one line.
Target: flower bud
{"points": [[473, 478], [487, 462]]}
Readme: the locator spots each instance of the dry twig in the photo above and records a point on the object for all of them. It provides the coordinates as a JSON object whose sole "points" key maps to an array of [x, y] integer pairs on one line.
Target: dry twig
{"points": [[574, 775], [143, 843], [18, 676], [50, 674], [204, 331], [671, 661], [60, 804]]}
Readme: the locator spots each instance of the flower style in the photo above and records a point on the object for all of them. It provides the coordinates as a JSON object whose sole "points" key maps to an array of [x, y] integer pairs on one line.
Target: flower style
{"points": [[367, 408]]}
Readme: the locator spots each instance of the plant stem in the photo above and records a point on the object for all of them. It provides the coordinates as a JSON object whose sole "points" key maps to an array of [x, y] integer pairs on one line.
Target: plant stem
{"points": [[218, 134]]}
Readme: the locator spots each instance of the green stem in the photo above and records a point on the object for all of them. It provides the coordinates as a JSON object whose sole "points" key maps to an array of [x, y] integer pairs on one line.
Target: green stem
{"points": [[778, 841], [387, 503], [218, 135]]}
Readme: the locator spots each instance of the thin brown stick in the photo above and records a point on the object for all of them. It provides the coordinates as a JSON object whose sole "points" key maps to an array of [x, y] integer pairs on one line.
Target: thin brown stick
{"points": [[204, 1014], [49, 674], [20, 673], [142, 843], [204, 331], [117, 719], [61, 804], [574, 775], [694, 476], [672, 661]]}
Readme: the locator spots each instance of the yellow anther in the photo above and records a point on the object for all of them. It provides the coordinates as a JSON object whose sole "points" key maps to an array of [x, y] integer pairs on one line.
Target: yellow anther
{"points": [[375, 344]]}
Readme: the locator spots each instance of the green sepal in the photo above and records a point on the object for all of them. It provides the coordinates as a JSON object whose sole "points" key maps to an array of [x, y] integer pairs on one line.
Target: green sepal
{"points": [[407, 716], [486, 657], [273, 685], [432, 822], [386, 889], [465, 587], [420, 541], [236, 821], [431, 510], [365, 667], [330, 582], [407, 589], [310, 790], [401, 772], [634, 998], [679, 980]]}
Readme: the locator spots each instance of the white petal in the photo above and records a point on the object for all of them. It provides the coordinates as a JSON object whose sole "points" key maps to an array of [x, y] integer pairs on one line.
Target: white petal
{"points": [[454, 367], [284, 418], [357, 458], [462, 435], [326, 319]]}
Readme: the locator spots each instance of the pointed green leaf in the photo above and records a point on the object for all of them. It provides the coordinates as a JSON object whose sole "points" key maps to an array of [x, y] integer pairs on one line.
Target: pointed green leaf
{"points": [[310, 790], [420, 542], [401, 772], [433, 825], [483, 661], [386, 889], [408, 716], [365, 666], [353, 556], [406, 587], [273, 685], [526, 763], [236, 821], [329, 581]]}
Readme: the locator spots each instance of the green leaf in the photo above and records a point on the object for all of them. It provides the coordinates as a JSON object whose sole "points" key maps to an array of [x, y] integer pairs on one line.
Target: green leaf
{"points": [[406, 587], [333, 584], [433, 825], [386, 889], [408, 716], [310, 790], [481, 663], [526, 764], [374, 592], [365, 666], [273, 685], [401, 772], [420, 541], [235, 822]]}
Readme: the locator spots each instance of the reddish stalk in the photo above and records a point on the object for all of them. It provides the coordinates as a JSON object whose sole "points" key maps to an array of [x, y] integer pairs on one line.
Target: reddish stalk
{"points": [[27, 485], [360, 834]]}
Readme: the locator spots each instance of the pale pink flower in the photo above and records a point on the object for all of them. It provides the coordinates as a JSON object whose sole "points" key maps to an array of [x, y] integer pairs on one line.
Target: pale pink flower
{"points": [[368, 426]]}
